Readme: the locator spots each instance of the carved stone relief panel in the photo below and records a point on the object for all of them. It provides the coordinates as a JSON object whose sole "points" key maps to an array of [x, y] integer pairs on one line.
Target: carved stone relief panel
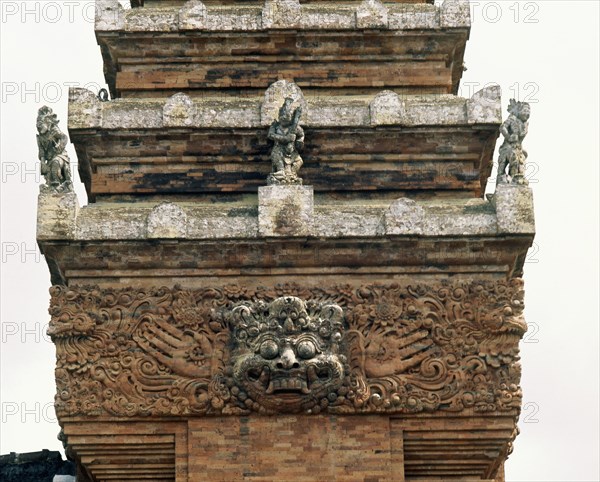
{"points": [[288, 349]]}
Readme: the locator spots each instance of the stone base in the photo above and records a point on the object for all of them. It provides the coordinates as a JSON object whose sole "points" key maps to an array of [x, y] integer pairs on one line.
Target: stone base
{"points": [[56, 216], [514, 209], [285, 210]]}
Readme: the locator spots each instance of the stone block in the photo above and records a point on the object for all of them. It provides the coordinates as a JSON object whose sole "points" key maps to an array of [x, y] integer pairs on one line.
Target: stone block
{"points": [[455, 13], [285, 210], [57, 215], [110, 15], [514, 209], [387, 108], [404, 216], [281, 14], [372, 14], [192, 15], [85, 110], [167, 220], [179, 111], [484, 106]]}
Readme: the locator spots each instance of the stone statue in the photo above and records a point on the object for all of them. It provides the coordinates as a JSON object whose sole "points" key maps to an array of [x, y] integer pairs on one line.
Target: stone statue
{"points": [[288, 137], [512, 154], [52, 142]]}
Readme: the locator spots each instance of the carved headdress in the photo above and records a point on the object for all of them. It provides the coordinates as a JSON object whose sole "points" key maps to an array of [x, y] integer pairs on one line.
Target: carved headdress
{"points": [[516, 107], [46, 116]]}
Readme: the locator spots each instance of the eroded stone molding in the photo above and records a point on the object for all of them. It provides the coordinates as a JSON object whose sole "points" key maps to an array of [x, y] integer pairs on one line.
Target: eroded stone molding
{"points": [[340, 349], [372, 14]]}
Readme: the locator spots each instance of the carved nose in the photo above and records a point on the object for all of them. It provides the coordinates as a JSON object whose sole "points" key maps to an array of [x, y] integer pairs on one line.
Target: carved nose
{"points": [[288, 359]]}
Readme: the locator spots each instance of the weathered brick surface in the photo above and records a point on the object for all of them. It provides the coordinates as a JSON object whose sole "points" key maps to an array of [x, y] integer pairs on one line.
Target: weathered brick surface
{"points": [[299, 448]]}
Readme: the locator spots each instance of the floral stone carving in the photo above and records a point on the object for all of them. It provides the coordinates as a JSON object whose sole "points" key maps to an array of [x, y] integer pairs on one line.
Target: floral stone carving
{"points": [[52, 143], [512, 155], [288, 349]]}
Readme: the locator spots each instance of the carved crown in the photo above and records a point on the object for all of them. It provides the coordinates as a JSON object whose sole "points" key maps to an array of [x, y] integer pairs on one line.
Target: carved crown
{"points": [[287, 315]]}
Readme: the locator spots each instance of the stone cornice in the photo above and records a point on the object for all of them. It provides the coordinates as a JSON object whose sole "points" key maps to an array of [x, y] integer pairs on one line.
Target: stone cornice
{"points": [[282, 14], [510, 212], [385, 108]]}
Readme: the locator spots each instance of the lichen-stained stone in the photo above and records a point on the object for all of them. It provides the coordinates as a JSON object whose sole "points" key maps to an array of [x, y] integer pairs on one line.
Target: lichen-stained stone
{"points": [[385, 143], [514, 209], [372, 14], [285, 210], [87, 108], [57, 215], [274, 97], [281, 14], [404, 216], [179, 111], [384, 108], [110, 15], [131, 115], [387, 108], [167, 220], [414, 17], [455, 13], [126, 221], [192, 15], [484, 105]]}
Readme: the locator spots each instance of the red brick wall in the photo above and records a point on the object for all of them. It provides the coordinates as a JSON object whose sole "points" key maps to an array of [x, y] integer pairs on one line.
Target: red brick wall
{"points": [[298, 448]]}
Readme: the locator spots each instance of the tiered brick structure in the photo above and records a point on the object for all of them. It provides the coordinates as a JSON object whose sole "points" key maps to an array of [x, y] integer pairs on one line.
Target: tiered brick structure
{"points": [[363, 325]]}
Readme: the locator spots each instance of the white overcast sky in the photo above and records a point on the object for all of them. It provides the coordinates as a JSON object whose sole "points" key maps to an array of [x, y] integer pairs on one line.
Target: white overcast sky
{"points": [[542, 51]]}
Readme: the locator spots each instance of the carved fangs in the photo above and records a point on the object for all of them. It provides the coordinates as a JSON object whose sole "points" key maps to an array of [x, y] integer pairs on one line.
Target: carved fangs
{"points": [[288, 385]]}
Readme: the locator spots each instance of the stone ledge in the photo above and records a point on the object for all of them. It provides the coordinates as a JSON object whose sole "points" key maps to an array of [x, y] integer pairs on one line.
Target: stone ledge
{"points": [[509, 213], [282, 14], [385, 108]]}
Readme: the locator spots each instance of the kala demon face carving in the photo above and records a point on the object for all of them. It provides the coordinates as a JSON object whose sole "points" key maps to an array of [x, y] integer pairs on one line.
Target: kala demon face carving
{"points": [[285, 355]]}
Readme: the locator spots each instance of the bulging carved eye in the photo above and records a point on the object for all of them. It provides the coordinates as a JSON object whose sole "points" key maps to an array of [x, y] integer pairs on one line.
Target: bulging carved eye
{"points": [[269, 349], [306, 349]]}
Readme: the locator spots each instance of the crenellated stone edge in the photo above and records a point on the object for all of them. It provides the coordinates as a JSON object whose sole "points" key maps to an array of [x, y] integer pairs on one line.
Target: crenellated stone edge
{"points": [[385, 108], [283, 14], [508, 212]]}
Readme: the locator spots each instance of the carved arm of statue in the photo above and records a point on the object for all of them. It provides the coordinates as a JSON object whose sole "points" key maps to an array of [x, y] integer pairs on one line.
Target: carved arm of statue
{"points": [[299, 138], [274, 135]]}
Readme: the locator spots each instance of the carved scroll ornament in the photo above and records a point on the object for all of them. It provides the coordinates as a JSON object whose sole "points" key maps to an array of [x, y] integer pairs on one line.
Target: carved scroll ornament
{"points": [[288, 349]]}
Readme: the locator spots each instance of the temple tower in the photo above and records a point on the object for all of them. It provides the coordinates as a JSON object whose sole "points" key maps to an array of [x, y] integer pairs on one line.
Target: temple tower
{"points": [[287, 268]]}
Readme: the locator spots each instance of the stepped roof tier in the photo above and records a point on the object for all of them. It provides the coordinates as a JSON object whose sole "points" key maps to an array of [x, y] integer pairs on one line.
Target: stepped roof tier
{"points": [[322, 46], [287, 218], [380, 146]]}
